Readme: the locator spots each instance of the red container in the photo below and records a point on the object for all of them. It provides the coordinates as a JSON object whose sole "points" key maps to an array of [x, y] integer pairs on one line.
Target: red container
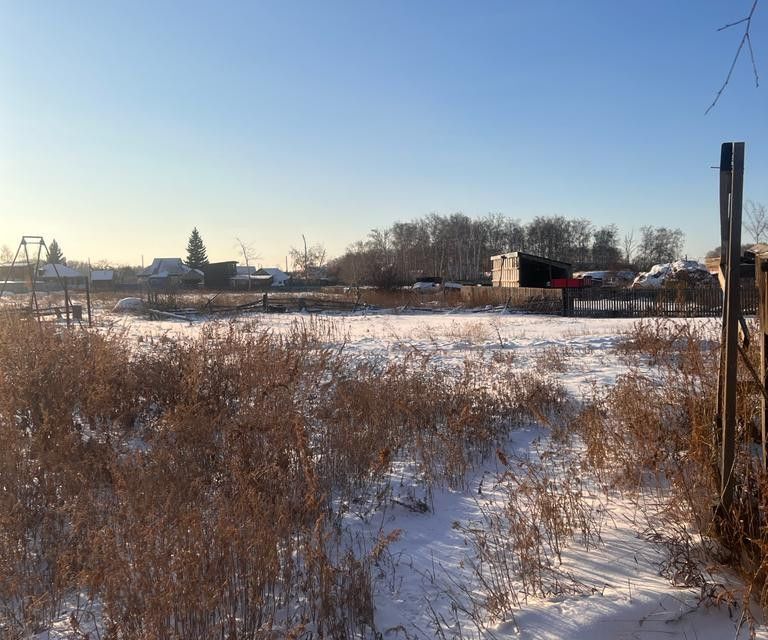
{"points": [[570, 283]]}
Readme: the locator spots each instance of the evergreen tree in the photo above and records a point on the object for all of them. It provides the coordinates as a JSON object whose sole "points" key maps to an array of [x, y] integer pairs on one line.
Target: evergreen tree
{"points": [[55, 256], [197, 256]]}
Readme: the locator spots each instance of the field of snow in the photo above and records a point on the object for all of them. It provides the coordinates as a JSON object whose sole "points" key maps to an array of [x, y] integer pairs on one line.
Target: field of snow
{"points": [[448, 338], [426, 587]]}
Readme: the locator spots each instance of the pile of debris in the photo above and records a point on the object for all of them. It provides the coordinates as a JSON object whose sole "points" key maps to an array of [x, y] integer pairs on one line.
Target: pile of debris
{"points": [[686, 273]]}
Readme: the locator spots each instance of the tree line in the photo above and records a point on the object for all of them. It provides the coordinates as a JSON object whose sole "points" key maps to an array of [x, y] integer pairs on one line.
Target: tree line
{"points": [[458, 247]]}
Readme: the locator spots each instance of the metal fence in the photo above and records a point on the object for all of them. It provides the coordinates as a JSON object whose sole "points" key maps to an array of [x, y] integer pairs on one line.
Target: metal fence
{"points": [[638, 303]]}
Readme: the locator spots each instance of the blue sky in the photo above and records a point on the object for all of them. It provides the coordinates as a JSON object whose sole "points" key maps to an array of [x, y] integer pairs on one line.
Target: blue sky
{"points": [[125, 124]]}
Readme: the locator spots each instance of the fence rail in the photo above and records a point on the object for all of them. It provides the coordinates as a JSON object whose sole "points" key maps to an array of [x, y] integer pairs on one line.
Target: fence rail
{"points": [[536, 300]]}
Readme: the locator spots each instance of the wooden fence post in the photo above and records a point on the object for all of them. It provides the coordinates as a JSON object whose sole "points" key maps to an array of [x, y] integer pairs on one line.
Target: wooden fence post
{"points": [[66, 302], [88, 299], [731, 164], [761, 277]]}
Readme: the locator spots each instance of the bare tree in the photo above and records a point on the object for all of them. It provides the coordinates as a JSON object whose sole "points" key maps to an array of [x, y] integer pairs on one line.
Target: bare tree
{"points": [[659, 245], [745, 39], [311, 257], [249, 253], [6, 255], [605, 247], [757, 219], [629, 245], [582, 235]]}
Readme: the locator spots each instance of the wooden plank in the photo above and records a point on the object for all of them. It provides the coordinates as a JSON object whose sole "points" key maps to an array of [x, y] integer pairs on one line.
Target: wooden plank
{"points": [[726, 167], [732, 309], [763, 403], [761, 280]]}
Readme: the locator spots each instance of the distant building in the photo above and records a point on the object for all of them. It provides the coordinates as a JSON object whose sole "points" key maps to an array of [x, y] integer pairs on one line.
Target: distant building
{"points": [[248, 278], [170, 273], [14, 278], [219, 274], [103, 280], [279, 277], [607, 278], [518, 269], [55, 275]]}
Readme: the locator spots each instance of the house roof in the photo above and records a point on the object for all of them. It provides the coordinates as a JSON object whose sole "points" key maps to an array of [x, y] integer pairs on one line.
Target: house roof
{"points": [[244, 277], [168, 268], [59, 271], [164, 267], [244, 271], [276, 273], [102, 275], [530, 256], [755, 249]]}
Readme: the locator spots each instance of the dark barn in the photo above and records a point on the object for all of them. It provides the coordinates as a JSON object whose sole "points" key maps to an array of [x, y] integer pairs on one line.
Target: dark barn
{"points": [[219, 274], [518, 269]]}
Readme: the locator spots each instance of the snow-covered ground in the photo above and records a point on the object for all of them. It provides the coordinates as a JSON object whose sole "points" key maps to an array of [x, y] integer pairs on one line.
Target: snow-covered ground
{"points": [[425, 586], [449, 338]]}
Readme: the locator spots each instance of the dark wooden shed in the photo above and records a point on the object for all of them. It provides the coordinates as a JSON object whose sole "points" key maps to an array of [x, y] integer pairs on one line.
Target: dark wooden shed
{"points": [[518, 269], [219, 274]]}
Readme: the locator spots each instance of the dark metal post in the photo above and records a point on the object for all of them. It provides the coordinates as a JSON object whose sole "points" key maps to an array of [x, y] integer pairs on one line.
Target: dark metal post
{"points": [[33, 278]]}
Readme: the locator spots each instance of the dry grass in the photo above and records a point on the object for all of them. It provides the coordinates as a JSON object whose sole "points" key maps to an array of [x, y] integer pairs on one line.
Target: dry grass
{"points": [[193, 489], [554, 358], [476, 332], [517, 551], [651, 434], [657, 427]]}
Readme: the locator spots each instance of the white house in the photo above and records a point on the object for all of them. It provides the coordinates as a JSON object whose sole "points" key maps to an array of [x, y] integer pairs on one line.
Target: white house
{"points": [[279, 277]]}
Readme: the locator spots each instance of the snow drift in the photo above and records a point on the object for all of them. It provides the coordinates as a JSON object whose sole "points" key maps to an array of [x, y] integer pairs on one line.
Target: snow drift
{"points": [[686, 272]]}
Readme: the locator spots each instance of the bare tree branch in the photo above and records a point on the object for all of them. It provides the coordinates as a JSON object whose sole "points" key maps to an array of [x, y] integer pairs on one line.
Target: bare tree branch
{"points": [[629, 245], [757, 220], [745, 38], [752, 58], [248, 254]]}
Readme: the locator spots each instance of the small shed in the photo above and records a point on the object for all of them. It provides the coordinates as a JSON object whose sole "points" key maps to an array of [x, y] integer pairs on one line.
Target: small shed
{"points": [[518, 269]]}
